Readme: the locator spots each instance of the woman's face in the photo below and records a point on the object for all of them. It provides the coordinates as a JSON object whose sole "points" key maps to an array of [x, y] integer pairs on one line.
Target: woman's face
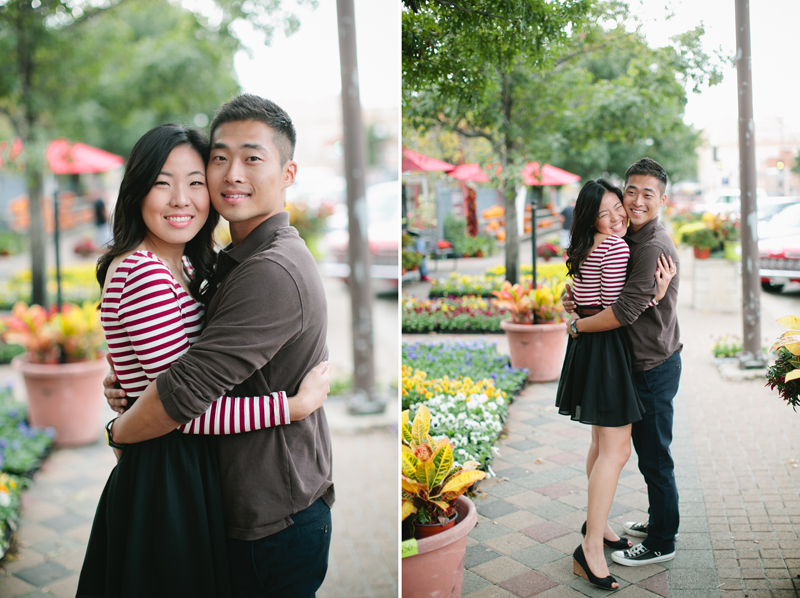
{"points": [[611, 218], [176, 208]]}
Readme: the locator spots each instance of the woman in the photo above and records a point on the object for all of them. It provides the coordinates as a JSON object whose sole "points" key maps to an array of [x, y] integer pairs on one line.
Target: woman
{"points": [[159, 530], [596, 385]]}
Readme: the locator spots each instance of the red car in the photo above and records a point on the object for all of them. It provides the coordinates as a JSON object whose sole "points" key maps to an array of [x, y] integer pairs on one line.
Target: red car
{"points": [[779, 261]]}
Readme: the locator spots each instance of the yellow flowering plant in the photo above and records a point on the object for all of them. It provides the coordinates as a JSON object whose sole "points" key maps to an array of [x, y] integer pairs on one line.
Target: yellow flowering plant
{"points": [[528, 305], [52, 336], [430, 480]]}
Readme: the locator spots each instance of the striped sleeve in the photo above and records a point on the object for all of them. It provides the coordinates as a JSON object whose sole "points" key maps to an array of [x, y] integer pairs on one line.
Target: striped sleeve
{"points": [[613, 266], [232, 415], [150, 311]]}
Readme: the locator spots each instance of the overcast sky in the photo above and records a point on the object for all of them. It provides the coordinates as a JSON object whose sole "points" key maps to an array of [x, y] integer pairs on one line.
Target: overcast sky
{"points": [[774, 32], [307, 63]]}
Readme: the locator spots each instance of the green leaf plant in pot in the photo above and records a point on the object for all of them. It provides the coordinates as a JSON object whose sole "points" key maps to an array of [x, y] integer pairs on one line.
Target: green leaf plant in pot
{"points": [[703, 240], [431, 481], [63, 367], [433, 488], [536, 331]]}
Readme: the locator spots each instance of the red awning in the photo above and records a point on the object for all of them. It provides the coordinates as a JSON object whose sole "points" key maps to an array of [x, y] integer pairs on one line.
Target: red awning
{"points": [[550, 175], [415, 161], [78, 158], [530, 174]]}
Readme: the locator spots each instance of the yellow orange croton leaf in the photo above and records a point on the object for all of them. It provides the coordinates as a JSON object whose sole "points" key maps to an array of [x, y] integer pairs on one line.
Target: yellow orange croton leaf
{"points": [[790, 322]]}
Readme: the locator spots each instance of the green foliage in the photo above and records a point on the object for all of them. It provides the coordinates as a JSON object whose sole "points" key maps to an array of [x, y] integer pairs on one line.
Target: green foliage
{"points": [[776, 377], [462, 314], [411, 260], [702, 238], [12, 242]]}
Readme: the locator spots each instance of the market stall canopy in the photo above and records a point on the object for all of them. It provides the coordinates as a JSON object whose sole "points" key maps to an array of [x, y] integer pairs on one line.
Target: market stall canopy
{"points": [[78, 158], [550, 175], [415, 161]]}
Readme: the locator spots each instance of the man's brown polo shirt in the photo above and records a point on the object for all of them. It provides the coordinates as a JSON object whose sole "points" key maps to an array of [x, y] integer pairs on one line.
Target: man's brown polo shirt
{"points": [[266, 328]]}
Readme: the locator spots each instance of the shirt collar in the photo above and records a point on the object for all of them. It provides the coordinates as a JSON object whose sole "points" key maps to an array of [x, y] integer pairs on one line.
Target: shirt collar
{"points": [[643, 232], [257, 237]]}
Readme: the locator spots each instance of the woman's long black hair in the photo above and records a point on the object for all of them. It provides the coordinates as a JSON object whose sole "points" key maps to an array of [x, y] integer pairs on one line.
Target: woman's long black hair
{"points": [[144, 165], [582, 231]]}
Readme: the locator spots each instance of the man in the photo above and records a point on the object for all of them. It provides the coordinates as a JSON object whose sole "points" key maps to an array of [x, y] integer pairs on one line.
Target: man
{"points": [[654, 336], [266, 328]]}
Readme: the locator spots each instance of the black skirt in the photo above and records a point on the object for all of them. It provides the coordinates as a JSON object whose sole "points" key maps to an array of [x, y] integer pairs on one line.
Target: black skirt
{"points": [[596, 385], [159, 529]]}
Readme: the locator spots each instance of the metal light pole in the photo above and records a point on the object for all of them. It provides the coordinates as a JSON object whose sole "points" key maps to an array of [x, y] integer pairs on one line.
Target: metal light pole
{"points": [[751, 291], [365, 396]]}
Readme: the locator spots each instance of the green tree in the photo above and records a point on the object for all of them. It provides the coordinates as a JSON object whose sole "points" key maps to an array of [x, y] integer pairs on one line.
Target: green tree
{"points": [[105, 74], [462, 67], [592, 101]]}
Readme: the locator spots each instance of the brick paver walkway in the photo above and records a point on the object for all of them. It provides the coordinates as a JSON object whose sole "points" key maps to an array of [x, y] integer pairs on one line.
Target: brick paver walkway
{"points": [[59, 508]]}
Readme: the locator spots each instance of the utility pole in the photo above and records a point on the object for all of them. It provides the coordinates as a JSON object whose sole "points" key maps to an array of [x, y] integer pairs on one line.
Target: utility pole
{"points": [[751, 288], [365, 397]]}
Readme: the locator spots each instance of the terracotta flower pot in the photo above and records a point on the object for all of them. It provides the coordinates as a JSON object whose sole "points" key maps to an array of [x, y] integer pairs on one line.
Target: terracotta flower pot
{"points": [[68, 397], [426, 530], [437, 570], [538, 347], [702, 253]]}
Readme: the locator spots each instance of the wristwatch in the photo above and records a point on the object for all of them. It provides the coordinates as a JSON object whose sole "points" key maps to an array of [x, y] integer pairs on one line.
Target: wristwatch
{"points": [[109, 437], [573, 327]]}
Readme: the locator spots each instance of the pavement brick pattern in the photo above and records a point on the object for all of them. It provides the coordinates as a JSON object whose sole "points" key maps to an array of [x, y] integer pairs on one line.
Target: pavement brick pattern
{"points": [[59, 508]]}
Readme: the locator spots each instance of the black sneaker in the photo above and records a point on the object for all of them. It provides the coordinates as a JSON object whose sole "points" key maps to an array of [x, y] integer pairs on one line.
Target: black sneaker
{"points": [[634, 528], [640, 555]]}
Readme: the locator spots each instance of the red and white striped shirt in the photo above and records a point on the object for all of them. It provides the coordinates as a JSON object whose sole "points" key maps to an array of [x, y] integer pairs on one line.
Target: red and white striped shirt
{"points": [[150, 321], [602, 274]]}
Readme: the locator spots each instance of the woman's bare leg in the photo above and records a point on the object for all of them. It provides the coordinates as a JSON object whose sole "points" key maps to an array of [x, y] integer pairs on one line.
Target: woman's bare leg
{"points": [[591, 457], [614, 449]]}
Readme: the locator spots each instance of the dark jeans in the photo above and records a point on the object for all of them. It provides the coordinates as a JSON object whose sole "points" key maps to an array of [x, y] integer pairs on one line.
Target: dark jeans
{"points": [[651, 439], [289, 564]]}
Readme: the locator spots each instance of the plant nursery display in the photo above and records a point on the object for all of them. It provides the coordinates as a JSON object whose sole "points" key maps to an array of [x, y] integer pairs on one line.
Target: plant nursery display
{"points": [[467, 313], [62, 367]]}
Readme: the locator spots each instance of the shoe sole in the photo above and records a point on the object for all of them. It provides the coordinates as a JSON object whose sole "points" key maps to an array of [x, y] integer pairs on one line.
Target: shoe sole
{"points": [[638, 534], [621, 560]]}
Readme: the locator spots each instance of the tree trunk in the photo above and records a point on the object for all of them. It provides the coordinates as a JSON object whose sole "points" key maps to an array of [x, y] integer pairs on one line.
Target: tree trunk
{"points": [[509, 191], [37, 237], [33, 164]]}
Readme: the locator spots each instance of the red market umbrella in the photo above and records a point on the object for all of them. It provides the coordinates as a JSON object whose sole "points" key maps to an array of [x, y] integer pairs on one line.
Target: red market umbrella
{"points": [[471, 172], [415, 161], [550, 175], [78, 158], [530, 174]]}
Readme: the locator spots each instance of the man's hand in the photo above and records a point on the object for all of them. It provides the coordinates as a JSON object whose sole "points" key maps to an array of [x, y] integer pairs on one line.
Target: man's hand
{"points": [[664, 274], [569, 323], [567, 300], [112, 391], [312, 393]]}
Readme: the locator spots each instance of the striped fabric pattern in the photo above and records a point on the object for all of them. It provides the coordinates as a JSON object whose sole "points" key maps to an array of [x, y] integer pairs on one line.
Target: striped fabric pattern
{"points": [[602, 274], [150, 321]]}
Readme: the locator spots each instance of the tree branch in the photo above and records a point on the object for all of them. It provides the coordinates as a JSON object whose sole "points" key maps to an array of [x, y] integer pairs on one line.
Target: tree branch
{"points": [[450, 4]]}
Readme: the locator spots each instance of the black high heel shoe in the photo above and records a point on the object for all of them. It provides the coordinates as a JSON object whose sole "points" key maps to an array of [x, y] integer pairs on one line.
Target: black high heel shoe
{"points": [[622, 544], [581, 568]]}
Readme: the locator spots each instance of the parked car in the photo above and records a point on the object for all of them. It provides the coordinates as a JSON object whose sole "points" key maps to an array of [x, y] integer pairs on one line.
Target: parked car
{"points": [[383, 233], [784, 224], [779, 259], [726, 201], [772, 206]]}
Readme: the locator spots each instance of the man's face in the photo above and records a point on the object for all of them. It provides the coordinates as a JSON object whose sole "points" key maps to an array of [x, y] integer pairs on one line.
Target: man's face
{"points": [[642, 199], [246, 179]]}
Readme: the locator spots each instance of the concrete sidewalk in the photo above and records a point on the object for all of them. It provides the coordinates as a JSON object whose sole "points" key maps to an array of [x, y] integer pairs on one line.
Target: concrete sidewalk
{"points": [[736, 447]]}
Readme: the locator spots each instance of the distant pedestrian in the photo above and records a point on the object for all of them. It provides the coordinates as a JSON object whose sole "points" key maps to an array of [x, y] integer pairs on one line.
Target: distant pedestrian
{"points": [[566, 216], [654, 336], [102, 235]]}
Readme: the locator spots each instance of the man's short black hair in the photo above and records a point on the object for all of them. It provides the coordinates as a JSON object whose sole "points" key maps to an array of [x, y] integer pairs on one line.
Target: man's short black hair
{"points": [[648, 167], [250, 107]]}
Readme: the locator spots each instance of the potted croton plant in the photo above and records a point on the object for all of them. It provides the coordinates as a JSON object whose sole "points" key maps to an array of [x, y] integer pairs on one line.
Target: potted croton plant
{"points": [[63, 367], [536, 331], [436, 515]]}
